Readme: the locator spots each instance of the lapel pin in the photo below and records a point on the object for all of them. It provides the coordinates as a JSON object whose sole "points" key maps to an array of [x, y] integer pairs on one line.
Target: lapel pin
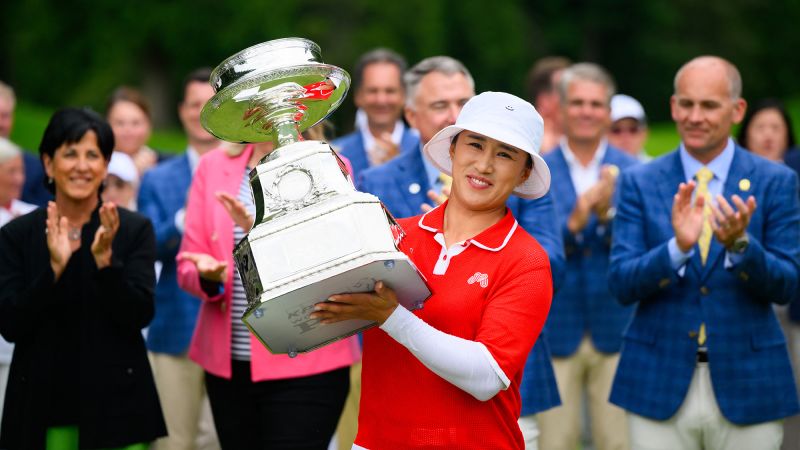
{"points": [[414, 188], [613, 170], [744, 184]]}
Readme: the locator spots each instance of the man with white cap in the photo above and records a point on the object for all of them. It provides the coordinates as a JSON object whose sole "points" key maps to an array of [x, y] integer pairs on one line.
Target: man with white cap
{"points": [[628, 130], [437, 88], [122, 181], [448, 375], [586, 323]]}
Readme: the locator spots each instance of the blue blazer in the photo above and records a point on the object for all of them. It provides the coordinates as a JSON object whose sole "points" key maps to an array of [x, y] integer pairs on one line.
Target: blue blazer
{"points": [[352, 147], [34, 190], [391, 182], [584, 303], [748, 359], [163, 192]]}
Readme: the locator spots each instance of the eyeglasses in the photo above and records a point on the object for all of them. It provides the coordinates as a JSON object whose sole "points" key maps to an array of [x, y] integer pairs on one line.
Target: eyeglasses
{"points": [[635, 129]]}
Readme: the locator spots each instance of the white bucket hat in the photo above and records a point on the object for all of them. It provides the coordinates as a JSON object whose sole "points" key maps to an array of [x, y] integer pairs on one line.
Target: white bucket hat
{"points": [[503, 117]]}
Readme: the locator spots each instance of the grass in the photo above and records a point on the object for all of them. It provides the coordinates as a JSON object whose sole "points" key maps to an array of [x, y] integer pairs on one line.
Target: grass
{"points": [[662, 138]]}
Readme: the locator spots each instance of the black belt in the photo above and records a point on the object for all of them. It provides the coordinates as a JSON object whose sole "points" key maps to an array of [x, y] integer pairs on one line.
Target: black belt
{"points": [[702, 356]]}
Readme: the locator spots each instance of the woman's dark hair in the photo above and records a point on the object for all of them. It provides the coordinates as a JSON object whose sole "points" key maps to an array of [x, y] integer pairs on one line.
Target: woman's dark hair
{"points": [[131, 95], [68, 126], [769, 103]]}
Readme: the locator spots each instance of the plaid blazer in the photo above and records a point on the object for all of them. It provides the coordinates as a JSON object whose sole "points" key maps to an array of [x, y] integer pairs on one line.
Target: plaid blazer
{"points": [[584, 304], [391, 182], [748, 359], [163, 192]]}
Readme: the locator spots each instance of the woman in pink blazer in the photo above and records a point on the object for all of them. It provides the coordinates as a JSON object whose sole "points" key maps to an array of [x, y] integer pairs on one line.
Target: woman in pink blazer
{"points": [[259, 400]]}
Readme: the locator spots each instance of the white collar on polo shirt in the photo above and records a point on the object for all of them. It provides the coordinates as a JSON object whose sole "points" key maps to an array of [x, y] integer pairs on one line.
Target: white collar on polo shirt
{"points": [[472, 240]]}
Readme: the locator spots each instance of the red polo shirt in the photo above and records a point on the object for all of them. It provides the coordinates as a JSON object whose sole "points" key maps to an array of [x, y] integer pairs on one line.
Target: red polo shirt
{"points": [[495, 289]]}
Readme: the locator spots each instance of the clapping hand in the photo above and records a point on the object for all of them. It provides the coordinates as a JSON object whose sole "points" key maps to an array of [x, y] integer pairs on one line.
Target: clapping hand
{"points": [[109, 225], [596, 199], [729, 224], [208, 267], [687, 218], [57, 240], [436, 198], [236, 210], [604, 191]]}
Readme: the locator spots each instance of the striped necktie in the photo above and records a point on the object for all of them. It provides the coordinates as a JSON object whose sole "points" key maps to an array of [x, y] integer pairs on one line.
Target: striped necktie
{"points": [[703, 176]]}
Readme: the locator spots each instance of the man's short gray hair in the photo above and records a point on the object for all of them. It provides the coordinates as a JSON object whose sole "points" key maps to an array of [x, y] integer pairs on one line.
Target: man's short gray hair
{"points": [[586, 72], [7, 92], [8, 150], [442, 64], [732, 73]]}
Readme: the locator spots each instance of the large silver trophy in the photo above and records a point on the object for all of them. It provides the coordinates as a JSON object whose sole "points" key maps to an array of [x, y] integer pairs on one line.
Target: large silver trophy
{"points": [[314, 235]]}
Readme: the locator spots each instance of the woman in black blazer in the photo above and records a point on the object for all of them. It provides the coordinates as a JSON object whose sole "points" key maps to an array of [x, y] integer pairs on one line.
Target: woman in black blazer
{"points": [[76, 288]]}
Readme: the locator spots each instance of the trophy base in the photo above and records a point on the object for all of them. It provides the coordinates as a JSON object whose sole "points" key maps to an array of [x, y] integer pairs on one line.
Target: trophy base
{"points": [[282, 324]]}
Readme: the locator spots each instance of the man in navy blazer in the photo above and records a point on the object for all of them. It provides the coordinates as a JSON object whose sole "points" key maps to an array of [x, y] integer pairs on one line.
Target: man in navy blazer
{"points": [[585, 323], [162, 198], [437, 88], [380, 134], [705, 240]]}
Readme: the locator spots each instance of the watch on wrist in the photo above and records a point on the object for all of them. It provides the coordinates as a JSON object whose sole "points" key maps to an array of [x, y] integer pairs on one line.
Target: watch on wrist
{"points": [[740, 245]]}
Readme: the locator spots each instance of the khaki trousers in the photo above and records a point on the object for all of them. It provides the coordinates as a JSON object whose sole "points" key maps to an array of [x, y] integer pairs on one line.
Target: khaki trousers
{"points": [[592, 371], [699, 425], [348, 423], [187, 412]]}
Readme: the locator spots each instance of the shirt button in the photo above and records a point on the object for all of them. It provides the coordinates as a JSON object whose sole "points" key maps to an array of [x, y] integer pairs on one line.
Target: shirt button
{"points": [[704, 290], [222, 306], [693, 334], [663, 283]]}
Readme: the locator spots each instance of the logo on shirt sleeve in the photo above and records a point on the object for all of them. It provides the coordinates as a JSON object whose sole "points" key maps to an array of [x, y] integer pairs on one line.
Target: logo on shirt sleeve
{"points": [[480, 278]]}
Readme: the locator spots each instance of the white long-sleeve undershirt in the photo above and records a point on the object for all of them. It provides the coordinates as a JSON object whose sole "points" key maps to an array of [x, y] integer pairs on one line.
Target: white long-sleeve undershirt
{"points": [[466, 364]]}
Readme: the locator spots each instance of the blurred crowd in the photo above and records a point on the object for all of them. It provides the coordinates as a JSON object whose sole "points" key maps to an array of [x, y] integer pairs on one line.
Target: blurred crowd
{"points": [[672, 324]]}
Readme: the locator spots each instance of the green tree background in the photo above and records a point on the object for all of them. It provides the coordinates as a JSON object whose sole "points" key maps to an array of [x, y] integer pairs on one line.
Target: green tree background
{"points": [[73, 52]]}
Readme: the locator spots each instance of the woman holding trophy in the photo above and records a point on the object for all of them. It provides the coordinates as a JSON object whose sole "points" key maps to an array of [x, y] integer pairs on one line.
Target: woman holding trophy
{"points": [[447, 375], [76, 289]]}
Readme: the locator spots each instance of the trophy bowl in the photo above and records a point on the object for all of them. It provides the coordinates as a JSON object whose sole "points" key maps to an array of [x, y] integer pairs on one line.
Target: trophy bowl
{"points": [[314, 235], [284, 76]]}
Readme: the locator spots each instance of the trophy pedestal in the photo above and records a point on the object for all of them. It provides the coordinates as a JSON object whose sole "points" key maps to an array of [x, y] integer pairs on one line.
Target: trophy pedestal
{"points": [[281, 323], [319, 237]]}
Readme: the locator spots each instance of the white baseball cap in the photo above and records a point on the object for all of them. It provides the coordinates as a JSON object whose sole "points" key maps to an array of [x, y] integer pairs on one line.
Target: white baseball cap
{"points": [[624, 107], [503, 117], [122, 166]]}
